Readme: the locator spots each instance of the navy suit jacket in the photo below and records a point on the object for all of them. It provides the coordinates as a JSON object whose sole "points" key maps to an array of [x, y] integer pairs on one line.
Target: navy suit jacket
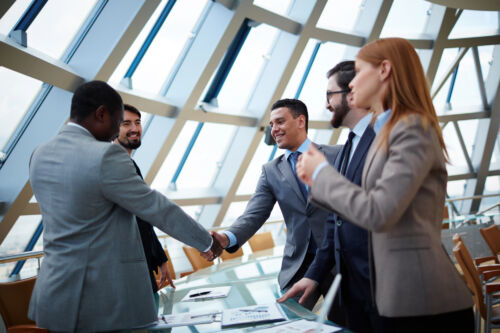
{"points": [[346, 244]]}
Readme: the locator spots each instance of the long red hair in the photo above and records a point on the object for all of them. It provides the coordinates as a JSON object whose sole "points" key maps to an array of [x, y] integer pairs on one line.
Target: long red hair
{"points": [[408, 90]]}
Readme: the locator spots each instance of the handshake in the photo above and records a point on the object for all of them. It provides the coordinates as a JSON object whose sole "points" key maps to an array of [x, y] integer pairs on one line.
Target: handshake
{"points": [[220, 242]]}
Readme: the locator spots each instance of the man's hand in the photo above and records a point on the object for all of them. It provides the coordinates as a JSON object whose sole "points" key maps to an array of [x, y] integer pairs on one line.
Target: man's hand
{"points": [[304, 285], [216, 248], [308, 162], [222, 238], [165, 275]]}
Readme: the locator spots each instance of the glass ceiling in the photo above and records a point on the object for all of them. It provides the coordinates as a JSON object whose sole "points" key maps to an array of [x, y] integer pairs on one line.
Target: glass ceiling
{"points": [[178, 51]]}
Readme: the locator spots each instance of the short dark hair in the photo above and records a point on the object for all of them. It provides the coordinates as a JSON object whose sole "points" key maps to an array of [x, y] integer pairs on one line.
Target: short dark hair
{"points": [[295, 106], [345, 73], [131, 108], [89, 96]]}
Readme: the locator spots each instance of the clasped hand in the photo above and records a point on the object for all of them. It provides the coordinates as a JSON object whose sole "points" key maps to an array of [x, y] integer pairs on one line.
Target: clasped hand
{"points": [[220, 242]]}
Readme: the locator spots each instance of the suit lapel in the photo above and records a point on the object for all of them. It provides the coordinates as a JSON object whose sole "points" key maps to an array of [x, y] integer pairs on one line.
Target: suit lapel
{"points": [[362, 147], [287, 172], [369, 158]]}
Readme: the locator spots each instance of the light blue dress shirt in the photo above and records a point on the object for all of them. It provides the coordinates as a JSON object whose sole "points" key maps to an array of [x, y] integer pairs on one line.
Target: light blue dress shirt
{"points": [[302, 149]]}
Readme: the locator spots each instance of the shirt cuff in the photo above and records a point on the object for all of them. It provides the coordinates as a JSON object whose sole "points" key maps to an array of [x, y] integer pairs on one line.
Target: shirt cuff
{"points": [[232, 238], [211, 243], [318, 169]]}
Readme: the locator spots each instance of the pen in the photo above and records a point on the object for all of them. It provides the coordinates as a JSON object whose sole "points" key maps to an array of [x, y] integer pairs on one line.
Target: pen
{"points": [[250, 310], [200, 294]]}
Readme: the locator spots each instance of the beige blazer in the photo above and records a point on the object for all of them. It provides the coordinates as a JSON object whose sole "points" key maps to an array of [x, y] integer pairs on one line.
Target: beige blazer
{"points": [[401, 202]]}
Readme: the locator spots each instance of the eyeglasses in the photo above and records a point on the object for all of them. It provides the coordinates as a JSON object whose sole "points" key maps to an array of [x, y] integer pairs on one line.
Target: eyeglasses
{"points": [[329, 94]]}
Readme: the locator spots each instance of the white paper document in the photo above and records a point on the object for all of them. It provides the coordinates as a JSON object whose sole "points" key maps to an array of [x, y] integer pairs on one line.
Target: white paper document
{"points": [[300, 326], [252, 314], [206, 293], [184, 319]]}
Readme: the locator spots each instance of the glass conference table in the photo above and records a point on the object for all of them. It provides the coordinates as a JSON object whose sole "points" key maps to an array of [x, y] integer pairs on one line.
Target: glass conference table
{"points": [[253, 279]]}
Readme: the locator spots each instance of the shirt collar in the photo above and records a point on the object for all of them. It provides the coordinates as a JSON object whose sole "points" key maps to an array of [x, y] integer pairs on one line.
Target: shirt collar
{"points": [[361, 126], [302, 149], [381, 120], [70, 123]]}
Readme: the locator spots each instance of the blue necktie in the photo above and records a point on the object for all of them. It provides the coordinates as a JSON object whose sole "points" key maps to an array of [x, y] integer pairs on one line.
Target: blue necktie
{"points": [[295, 156]]}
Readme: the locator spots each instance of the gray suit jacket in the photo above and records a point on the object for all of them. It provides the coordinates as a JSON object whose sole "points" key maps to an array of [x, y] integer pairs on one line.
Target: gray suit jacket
{"points": [[278, 183], [401, 202], [94, 276]]}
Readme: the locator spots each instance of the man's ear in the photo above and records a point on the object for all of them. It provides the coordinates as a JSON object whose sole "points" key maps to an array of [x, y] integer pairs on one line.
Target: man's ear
{"points": [[100, 113], [302, 121], [385, 70]]}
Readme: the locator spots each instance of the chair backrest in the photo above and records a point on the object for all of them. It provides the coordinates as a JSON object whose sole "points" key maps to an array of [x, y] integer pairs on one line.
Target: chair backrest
{"points": [[14, 301], [227, 256], [457, 238], [195, 258], [471, 275], [261, 241], [170, 265], [491, 235]]}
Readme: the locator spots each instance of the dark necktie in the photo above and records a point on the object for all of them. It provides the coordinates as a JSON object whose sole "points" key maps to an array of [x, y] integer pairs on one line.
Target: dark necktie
{"points": [[295, 156], [346, 153]]}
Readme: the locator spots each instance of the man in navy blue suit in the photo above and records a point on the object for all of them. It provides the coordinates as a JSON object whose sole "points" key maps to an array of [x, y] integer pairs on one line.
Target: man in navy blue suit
{"points": [[345, 245]]}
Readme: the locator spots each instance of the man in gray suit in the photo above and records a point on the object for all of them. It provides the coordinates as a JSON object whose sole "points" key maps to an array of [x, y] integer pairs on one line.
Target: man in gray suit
{"points": [[278, 182], [94, 276]]}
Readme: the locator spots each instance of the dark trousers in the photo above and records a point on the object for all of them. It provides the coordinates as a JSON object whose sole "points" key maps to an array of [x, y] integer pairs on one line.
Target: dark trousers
{"points": [[337, 313], [456, 322], [361, 317]]}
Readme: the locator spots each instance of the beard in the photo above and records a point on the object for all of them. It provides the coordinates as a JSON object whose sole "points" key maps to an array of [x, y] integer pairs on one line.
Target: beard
{"points": [[130, 144], [340, 111]]}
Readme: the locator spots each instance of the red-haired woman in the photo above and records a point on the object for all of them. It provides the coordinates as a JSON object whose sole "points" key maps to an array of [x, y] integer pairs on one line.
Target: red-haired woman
{"points": [[402, 196]]}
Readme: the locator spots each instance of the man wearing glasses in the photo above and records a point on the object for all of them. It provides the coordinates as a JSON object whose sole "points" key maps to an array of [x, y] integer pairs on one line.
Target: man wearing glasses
{"points": [[345, 245]]}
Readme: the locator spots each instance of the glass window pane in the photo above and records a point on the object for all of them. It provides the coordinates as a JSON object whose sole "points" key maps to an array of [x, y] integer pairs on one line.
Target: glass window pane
{"points": [[18, 92], [466, 88], [458, 164], [468, 129], [169, 165], [495, 156], [233, 212], [277, 6], [455, 189], [298, 72], [339, 15], [249, 181], [56, 25], [475, 23], [19, 235], [206, 157], [163, 52], [10, 18], [240, 82], [406, 18]]}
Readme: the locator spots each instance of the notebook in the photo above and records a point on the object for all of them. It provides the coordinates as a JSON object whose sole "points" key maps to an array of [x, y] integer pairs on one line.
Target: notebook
{"points": [[264, 313]]}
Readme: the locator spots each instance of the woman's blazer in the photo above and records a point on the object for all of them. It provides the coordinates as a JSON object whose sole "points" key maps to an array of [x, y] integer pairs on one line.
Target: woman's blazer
{"points": [[401, 202]]}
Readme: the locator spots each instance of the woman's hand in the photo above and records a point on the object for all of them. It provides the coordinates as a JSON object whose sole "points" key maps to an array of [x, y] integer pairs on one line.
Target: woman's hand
{"points": [[308, 162]]}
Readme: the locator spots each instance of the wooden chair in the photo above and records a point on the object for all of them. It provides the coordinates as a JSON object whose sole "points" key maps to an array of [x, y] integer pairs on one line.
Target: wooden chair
{"points": [[491, 236], [227, 256], [196, 260], [477, 261], [473, 275], [261, 241], [446, 216], [14, 302], [170, 268]]}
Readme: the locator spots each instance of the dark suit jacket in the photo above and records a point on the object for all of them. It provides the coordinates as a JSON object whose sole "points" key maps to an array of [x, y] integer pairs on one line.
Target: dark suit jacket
{"points": [[155, 256], [278, 183], [345, 244]]}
